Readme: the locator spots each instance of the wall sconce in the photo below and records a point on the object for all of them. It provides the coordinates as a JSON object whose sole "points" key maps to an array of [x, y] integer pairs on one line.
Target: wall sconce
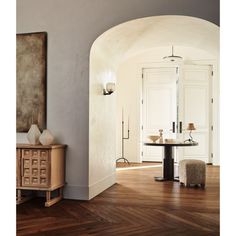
{"points": [[190, 128], [110, 88]]}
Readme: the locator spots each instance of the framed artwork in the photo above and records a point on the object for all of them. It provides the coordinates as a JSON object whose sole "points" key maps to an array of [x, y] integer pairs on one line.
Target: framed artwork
{"points": [[31, 66]]}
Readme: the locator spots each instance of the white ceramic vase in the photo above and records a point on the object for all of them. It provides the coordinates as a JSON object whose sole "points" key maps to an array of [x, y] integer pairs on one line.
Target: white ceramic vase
{"points": [[33, 134], [46, 137]]}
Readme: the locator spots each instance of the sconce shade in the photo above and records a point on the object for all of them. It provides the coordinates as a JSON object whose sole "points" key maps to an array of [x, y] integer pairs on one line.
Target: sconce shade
{"points": [[191, 126], [110, 87]]}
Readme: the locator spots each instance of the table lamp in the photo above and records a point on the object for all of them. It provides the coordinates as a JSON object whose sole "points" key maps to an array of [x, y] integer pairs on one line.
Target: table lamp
{"points": [[190, 128]]}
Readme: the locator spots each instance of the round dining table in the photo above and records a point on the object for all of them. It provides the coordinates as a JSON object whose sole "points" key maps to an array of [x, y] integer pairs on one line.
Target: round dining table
{"points": [[168, 161]]}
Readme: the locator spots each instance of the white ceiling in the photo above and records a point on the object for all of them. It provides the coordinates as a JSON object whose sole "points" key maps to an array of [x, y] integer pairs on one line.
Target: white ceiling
{"points": [[158, 33]]}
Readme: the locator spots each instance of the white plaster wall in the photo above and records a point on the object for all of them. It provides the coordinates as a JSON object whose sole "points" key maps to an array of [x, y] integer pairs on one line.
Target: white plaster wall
{"points": [[129, 89], [72, 26], [128, 100], [102, 126]]}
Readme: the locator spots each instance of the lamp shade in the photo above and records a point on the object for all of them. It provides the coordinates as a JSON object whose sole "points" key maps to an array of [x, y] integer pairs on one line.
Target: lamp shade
{"points": [[191, 126]]}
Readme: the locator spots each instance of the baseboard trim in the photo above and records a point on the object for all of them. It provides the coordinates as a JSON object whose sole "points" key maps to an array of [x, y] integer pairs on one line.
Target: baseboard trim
{"points": [[76, 192], [101, 185]]}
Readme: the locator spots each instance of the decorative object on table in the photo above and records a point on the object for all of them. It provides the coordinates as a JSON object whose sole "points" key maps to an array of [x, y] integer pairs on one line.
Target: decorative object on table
{"points": [[46, 138], [33, 134], [122, 141], [190, 128], [110, 88], [154, 138], [31, 59], [170, 140], [192, 172], [161, 135]]}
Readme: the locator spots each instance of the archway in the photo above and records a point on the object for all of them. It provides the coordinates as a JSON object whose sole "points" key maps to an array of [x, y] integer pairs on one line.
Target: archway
{"points": [[117, 45]]}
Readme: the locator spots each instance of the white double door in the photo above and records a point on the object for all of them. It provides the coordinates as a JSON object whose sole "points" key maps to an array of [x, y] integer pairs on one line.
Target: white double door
{"points": [[172, 98]]}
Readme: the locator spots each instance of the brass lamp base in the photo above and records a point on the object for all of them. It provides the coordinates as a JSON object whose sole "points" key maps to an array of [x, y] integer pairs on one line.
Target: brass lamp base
{"points": [[189, 140]]}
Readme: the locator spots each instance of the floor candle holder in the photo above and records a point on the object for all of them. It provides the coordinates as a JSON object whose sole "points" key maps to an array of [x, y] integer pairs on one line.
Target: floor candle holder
{"points": [[122, 146]]}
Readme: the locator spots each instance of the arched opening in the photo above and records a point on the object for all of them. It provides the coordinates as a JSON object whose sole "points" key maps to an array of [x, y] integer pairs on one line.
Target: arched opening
{"points": [[144, 41]]}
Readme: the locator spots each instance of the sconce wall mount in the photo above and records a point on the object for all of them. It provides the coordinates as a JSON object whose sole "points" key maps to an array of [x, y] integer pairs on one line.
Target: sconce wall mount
{"points": [[110, 88]]}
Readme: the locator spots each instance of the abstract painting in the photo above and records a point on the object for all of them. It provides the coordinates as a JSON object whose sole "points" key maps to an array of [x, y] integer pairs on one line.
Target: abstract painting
{"points": [[31, 59]]}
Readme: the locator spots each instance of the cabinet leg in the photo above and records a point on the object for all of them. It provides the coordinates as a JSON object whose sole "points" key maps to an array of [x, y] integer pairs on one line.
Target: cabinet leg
{"points": [[18, 194], [60, 192], [48, 196], [20, 199], [49, 202]]}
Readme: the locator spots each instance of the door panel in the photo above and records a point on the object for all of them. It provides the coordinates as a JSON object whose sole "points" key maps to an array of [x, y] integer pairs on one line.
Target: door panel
{"points": [[159, 107], [199, 152], [153, 153], [158, 112], [194, 107]]}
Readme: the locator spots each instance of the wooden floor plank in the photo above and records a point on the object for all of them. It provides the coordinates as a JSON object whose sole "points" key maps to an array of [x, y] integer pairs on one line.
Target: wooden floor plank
{"points": [[136, 205]]}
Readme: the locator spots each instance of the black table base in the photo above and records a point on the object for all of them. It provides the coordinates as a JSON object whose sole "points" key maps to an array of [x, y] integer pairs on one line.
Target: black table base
{"points": [[161, 179], [168, 161], [168, 166]]}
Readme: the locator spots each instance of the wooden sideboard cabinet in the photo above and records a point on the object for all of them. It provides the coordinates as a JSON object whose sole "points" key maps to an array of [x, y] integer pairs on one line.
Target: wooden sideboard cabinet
{"points": [[40, 167]]}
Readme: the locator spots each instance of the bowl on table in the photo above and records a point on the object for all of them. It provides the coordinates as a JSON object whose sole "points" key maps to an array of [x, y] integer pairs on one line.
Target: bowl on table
{"points": [[153, 138], [170, 140]]}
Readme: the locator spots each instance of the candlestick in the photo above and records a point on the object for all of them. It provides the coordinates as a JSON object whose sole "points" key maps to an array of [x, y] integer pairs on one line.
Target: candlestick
{"points": [[122, 114], [123, 137], [128, 122]]}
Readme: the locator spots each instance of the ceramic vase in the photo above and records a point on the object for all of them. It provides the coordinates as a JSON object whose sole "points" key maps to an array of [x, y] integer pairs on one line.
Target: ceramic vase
{"points": [[46, 137], [33, 134], [161, 135]]}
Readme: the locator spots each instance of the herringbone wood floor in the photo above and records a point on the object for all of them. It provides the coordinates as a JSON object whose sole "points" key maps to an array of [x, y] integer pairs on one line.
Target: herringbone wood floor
{"points": [[136, 205], [131, 164]]}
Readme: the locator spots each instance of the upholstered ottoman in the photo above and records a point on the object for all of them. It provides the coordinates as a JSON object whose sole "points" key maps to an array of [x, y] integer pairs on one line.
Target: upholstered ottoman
{"points": [[192, 172]]}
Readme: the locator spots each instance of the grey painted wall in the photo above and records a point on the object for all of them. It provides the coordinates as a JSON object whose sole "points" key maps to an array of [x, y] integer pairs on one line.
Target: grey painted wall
{"points": [[72, 26]]}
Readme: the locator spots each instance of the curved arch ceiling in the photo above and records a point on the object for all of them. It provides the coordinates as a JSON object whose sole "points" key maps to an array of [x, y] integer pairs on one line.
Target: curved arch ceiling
{"points": [[138, 35]]}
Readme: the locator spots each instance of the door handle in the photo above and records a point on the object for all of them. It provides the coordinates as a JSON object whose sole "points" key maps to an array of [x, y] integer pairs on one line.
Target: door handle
{"points": [[180, 127], [173, 127]]}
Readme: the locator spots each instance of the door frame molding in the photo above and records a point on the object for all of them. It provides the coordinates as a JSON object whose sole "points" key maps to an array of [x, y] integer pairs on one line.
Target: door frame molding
{"points": [[215, 134]]}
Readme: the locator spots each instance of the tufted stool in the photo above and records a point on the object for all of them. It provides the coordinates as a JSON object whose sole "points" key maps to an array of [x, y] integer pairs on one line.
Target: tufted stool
{"points": [[192, 172]]}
